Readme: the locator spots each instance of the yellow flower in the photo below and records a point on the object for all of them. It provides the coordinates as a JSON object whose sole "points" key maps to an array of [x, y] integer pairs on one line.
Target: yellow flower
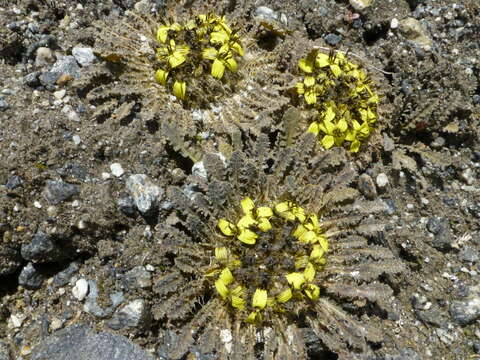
{"points": [[334, 132], [308, 90], [161, 76], [221, 288], [221, 254], [247, 205], [309, 272], [226, 276], [284, 296], [222, 59], [312, 291], [162, 31], [227, 228], [247, 236], [295, 279], [174, 54], [259, 299]]}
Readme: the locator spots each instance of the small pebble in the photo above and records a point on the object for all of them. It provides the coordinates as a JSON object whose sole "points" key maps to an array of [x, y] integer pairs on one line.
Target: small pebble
{"points": [[360, 5], [76, 139], [394, 23], [382, 180], [59, 94], [117, 169], [44, 56], [80, 290]]}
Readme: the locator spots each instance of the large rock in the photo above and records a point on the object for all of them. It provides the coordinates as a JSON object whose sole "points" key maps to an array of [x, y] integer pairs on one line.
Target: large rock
{"points": [[79, 342]]}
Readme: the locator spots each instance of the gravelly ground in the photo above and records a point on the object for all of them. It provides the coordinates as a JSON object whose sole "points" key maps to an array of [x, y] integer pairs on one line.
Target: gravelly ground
{"points": [[66, 208]]}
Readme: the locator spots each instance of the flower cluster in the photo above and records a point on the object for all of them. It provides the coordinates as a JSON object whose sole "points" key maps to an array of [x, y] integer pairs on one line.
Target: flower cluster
{"points": [[342, 94], [204, 43], [274, 260]]}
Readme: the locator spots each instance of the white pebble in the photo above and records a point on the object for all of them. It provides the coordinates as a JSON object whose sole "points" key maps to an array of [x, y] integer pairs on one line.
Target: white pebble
{"points": [[76, 139], [105, 176], [37, 204], [117, 169], [382, 180], [80, 290], [59, 94], [15, 321], [394, 23], [149, 268]]}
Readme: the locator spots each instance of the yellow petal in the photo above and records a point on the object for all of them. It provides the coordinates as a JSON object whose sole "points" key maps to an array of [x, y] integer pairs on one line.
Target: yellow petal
{"points": [[227, 228], [322, 60], [323, 242], [284, 296], [310, 97], [162, 34], [264, 211], [309, 272], [259, 299], [313, 128], [308, 237], [329, 114], [295, 279], [336, 70], [328, 141], [309, 81], [247, 205], [221, 288], [355, 146], [246, 221], [247, 236], [317, 253], [237, 47], [231, 64], [305, 65], [299, 213], [161, 76], [221, 254], [300, 88], [209, 53], [342, 125], [252, 317], [299, 231], [179, 89], [282, 207], [176, 59], [264, 224], [301, 262], [238, 291], [218, 37], [313, 219], [238, 302], [312, 291], [226, 276]]}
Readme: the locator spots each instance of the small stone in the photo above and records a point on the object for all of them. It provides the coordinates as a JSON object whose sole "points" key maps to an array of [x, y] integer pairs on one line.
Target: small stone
{"points": [[44, 56], [58, 191], [360, 5], [16, 320], [367, 186], [468, 254], [59, 94], [438, 142], [66, 65], [265, 13], [440, 227], [143, 6], [56, 324], [76, 139], [64, 276], [382, 180], [394, 23], [117, 169], [332, 39], [13, 182], [468, 176], [4, 351], [415, 32], [80, 290], [144, 192], [198, 169], [138, 277], [25, 350], [126, 204], [83, 55], [32, 79], [133, 315], [388, 144], [465, 312], [41, 249], [30, 278], [3, 104]]}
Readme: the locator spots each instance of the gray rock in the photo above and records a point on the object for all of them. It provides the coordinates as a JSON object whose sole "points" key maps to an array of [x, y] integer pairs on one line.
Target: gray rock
{"points": [[3, 104], [127, 205], [79, 342], [265, 13], [138, 278], [13, 182], [416, 32], [135, 314], [466, 311], [64, 276], [367, 186], [198, 169], [388, 144], [91, 305], [332, 39], [41, 249], [66, 65], [30, 278], [32, 79], [58, 191], [4, 351], [404, 354], [468, 254], [83, 55], [144, 192], [443, 234]]}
